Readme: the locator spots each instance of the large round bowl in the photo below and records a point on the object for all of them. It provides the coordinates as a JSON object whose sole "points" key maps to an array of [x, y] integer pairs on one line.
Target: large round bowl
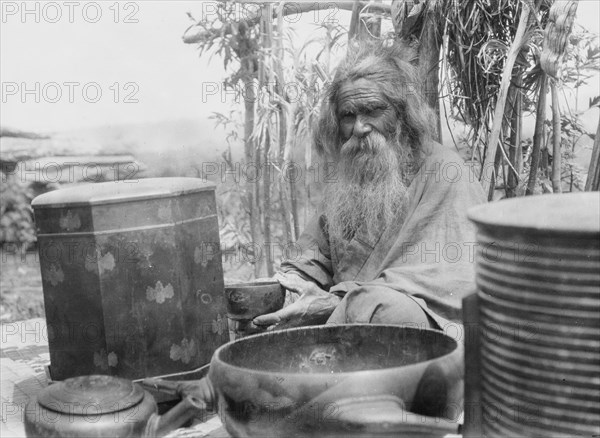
{"points": [[339, 380]]}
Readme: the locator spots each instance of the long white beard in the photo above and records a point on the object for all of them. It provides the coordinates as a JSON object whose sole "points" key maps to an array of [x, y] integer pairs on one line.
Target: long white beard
{"points": [[370, 189]]}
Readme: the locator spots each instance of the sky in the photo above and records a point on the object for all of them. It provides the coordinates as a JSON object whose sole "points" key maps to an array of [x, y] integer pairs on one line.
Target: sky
{"points": [[69, 65], [93, 71]]}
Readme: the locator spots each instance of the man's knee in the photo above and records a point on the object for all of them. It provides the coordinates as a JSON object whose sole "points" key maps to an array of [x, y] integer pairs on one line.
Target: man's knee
{"points": [[383, 305], [398, 308]]}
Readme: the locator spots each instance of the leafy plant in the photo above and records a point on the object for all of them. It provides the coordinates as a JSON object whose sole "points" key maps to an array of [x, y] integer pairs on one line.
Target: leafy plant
{"points": [[16, 214], [263, 60]]}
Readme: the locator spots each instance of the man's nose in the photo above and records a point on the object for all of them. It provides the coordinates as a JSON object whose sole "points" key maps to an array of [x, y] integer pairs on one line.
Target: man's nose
{"points": [[361, 127]]}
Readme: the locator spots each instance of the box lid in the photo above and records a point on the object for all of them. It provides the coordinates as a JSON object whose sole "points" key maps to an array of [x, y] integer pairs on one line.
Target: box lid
{"points": [[120, 191]]}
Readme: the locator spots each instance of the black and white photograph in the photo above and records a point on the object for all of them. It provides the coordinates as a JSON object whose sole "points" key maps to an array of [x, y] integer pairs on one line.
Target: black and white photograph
{"points": [[304, 219]]}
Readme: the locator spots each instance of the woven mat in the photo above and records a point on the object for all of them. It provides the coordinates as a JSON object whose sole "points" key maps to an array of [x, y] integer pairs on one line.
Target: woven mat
{"points": [[23, 357]]}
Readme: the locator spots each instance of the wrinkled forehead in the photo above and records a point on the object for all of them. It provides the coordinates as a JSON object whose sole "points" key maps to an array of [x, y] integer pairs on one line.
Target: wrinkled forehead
{"points": [[359, 93]]}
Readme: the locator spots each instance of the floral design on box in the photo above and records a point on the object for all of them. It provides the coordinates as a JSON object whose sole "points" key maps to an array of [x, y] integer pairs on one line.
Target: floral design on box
{"points": [[159, 293], [184, 352], [103, 360], [70, 221], [55, 275]]}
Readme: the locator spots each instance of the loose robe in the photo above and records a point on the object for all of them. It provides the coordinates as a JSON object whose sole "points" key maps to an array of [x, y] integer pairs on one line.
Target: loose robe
{"points": [[427, 252]]}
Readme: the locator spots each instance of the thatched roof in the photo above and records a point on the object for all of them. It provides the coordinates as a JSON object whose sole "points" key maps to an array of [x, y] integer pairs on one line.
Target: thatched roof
{"points": [[62, 158]]}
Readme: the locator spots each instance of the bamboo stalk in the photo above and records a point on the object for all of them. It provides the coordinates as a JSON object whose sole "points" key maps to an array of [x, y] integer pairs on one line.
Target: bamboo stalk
{"points": [[267, 37], [504, 85], [284, 203], [308, 163], [288, 156], [497, 160], [266, 210], [556, 137], [538, 135], [593, 179], [429, 62], [294, 202], [282, 122], [544, 161], [249, 153], [258, 224], [515, 152], [354, 21]]}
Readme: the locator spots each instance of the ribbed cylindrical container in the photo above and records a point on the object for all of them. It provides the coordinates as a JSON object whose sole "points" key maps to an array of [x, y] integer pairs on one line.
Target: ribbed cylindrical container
{"points": [[538, 280]]}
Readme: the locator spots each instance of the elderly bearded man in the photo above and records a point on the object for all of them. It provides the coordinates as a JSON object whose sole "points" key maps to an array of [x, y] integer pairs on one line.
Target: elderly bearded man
{"points": [[391, 243]]}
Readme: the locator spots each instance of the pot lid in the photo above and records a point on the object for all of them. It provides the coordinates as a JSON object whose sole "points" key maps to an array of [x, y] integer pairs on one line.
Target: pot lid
{"points": [[91, 395], [120, 191], [566, 213]]}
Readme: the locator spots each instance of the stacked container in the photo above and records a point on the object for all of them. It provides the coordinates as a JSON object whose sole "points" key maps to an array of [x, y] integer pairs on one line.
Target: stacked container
{"points": [[538, 279]]}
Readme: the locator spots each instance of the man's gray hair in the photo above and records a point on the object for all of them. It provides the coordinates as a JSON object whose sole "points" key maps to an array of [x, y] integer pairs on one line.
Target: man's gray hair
{"points": [[390, 67]]}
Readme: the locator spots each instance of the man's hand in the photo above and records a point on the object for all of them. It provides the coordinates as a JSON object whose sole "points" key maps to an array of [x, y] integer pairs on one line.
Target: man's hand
{"points": [[313, 306]]}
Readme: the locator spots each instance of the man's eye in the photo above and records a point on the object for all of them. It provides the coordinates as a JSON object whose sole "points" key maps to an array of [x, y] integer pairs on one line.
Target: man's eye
{"points": [[377, 110]]}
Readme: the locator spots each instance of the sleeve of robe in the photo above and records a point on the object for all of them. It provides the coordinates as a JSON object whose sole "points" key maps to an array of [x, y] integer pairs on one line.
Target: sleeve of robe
{"points": [[431, 256], [312, 258]]}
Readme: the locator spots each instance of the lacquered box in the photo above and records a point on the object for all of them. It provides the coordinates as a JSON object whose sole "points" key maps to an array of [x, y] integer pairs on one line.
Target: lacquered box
{"points": [[132, 277]]}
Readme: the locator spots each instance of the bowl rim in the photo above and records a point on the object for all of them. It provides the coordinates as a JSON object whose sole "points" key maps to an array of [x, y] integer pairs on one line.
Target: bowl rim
{"points": [[455, 349]]}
